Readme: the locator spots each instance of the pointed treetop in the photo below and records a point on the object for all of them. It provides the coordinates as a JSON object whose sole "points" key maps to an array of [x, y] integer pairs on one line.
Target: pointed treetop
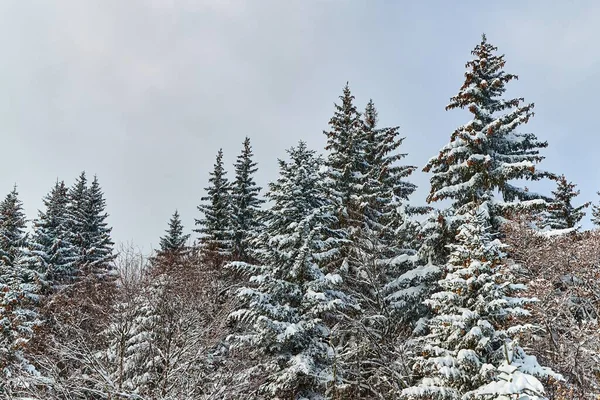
{"points": [[562, 214], [215, 226], [174, 241], [370, 115], [12, 228], [487, 154]]}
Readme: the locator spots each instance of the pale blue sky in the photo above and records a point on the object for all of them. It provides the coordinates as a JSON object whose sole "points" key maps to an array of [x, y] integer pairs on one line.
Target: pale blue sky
{"points": [[144, 92]]}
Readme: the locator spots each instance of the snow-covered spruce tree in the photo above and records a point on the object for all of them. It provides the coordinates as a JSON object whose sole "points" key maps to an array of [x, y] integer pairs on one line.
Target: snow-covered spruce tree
{"points": [[87, 227], [405, 294], [77, 216], [98, 253], [472, 350], [13, 238], [382, 157], [19, 290], [381, 251], [407, 290], [383, 190], [245, 203], [487, 153], [50, 250], [292, 300], [173, 246], [141, 359], [345, 172], [561, 213], [596, 213], [216, 239], [19, 317]]}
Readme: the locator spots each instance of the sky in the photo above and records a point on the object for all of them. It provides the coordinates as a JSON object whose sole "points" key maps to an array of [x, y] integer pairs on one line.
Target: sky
{"points": [[143, 93]]}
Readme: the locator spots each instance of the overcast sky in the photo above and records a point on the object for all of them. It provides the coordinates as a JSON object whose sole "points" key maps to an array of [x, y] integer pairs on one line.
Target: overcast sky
{"points": [[144, 92]]}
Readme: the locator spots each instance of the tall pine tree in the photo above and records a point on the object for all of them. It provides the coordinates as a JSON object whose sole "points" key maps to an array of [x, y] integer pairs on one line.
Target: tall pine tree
{"points": [[596, 213], [561, 212], [77, 216], [88, 230], [19, 294], [173, 245], [99, 252], [291, 300], [13, 237], [215, 227], [346, 170], [245, 203], [50, 249], [488, 153]]}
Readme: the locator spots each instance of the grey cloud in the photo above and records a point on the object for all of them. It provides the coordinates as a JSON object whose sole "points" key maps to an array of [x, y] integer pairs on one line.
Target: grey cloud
{"points": [[145, 92]]}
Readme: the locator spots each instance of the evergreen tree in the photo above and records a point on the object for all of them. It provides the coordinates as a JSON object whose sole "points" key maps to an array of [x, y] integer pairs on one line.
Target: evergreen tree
{"points": [[98, 253], [215, 227], [596, 213], [487, 153], [77, 216], [87, 226], [50, 250], [245, 203], [292, 300], [345, 170], [382, 157], [381, 255], [384, 192], [19, 296], [472, 350], [173, 246], [13, 238], [141, 358], [561, 213]]}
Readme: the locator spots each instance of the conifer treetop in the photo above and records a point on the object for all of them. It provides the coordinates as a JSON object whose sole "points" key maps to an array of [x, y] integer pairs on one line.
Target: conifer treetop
{"points": [[12, 228], [50, 249], [345, 144], [561, 212], [245, 202], [596, 213], [487, 153], [174, 240], [215, 227]]}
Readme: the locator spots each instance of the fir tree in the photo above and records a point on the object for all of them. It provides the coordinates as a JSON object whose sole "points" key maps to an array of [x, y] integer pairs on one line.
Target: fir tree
{"points": [[98, 253], [487, 153], [380, 255], [50, 250], [292, 299], [173, 246], [382, 156], [384, 192], [87, 226], [561, 213], [215, 227], [472, 349], [13, 238], [345, 171], [596, 213], [245, 203], [19, 297], [77, 216]]}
